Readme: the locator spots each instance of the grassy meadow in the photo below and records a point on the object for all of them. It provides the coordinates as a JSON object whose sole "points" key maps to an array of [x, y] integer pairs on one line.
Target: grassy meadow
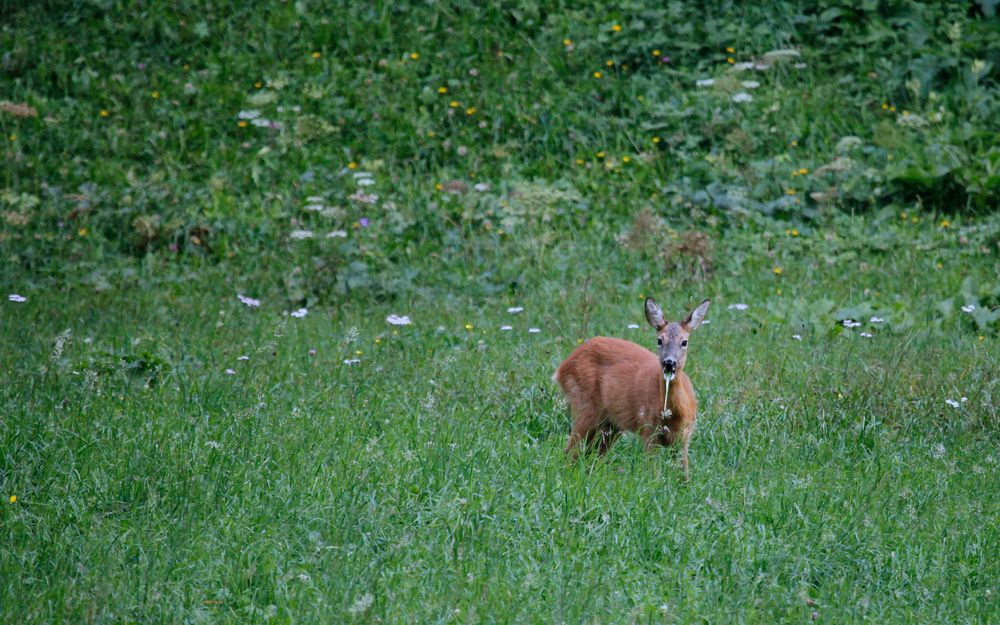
{"points": [[283, 286]]}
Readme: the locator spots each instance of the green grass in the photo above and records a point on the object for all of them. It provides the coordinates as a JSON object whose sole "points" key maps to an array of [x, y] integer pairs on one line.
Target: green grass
{"points": [[160, 478]]}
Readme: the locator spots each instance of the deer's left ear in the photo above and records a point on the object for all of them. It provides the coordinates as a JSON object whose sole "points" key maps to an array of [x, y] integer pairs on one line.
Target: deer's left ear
{"points": [[697, 315], [654, 315]]}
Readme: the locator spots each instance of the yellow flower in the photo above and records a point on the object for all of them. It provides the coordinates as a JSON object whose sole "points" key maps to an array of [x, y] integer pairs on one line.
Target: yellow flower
{"points": [[439, 186], [186, 67], [892, 109], [358, 352], [730, 50], [903, 215], [945, 223], [939, 266], [617, 28], [242, 123], [598, 74], [454, 104], [656, 139], [315, 55], [352, 165], [468, 326], [567, 42], [982, 338], [795, 143], [803, 171], [414, 55], [885, 106], [378, 339], [579, 161], [82, 232], [789, 191], [777, 291], [730, 60], [258, 84], [795, 172], [778, 271], [656, 53], [442, 90], [13, 137], [155, 94], [795, 232], [104, 113], [906, 113], [13, 498], [914, 219], [431, 134], [600, 154], [626, 159], [609, 63], [470, 111]]}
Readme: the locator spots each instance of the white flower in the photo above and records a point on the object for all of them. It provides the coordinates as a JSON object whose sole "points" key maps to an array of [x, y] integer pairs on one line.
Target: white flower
{"points": [[761, 67], [785, 52], [750, 84], [336, 234], [251, 114], [364, 198], [742, 96], [799, 66], [866, 335], [300, 313], [314, 207], [876, 320], [534, 330], [396, 320], [213, 444], [314, 199], [797, 337], [301, 234], [362, 604], [633, 326], [17, 299], [481, 187], [230, 372], [965, 399], [738, 306], [968, 309], [515, 309], [952, 403], [243, 358], [706, 322], [352, 361], [261, 122], [506, 328], [365, 182], [850, 323], [362, 174], [743, 66], [938, 451], [705, 82], [249, 301]]}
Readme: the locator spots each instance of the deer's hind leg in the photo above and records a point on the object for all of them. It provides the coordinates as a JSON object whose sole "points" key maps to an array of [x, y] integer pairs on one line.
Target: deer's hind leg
{"points": [[586, 420]]}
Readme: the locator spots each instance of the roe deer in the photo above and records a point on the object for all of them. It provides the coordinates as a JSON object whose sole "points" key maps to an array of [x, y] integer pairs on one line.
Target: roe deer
{"points": [[614, 385]]}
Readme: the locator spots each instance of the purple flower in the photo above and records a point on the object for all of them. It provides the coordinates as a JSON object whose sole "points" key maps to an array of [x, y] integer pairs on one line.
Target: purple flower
{"points": [[140, 66], [664, 59], [364, 222]]}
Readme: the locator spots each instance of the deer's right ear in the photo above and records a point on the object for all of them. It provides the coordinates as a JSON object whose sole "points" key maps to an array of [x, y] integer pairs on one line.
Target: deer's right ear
{"points": [[653, 314]]}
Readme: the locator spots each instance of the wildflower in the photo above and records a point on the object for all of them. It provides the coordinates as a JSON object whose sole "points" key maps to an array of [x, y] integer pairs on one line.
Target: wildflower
{"points": [[742, 96], [461, 150], [365, 182], [797, 337], [481, 187], [362, 604], [468, 326], [241, 124], [617, 28], [249, 301], [598, 74], [363, 198], [876, 320], [790, 192], [352, 361], [803, 171], [738, 306], [745, 66], [300, 313], [952, 403], [397, 320], [609, 63], [258, 84], [885, 106], [155, 95], [314, 207], [795, 232], [945, 223], [243, 358], [230, 372], [363, 222], [750, 84], [850, 323], [731, 60], [470, 111], [316, 55], [534, 330], [454, 104], [705, 82], [730, 50], [794, 143], [312, 352], [579, 161], [968, 309], [567, 42], [336, 234], [12, 499], [352, 165], [633, 326], [17, 299], [656, 139], [665, 59], [515, 309], [301, 234], [248, 114], [656, 53], [104, 113], [506, 328], [866, 335], [626, 159], [600, 154], [442, 90]]}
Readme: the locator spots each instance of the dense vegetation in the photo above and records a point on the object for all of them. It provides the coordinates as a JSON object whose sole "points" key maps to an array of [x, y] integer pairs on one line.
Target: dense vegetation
{"points": [[214, 217]]}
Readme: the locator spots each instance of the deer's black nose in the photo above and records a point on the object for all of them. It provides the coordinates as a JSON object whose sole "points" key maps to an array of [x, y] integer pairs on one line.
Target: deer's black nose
{"points": [[669, 364]]}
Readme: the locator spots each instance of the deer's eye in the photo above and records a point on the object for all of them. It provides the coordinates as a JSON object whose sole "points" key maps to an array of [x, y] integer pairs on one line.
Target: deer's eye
{"points": [[684, 343], [659, 341]]}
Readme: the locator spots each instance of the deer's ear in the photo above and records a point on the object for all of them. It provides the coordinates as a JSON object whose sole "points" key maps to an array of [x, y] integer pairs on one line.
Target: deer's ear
{"points": [[653, 314], [697, 315]]}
